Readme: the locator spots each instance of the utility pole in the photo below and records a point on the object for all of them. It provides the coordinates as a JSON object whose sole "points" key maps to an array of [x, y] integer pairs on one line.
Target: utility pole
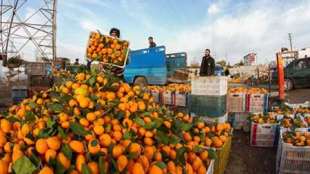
{"points": [[290, 39]]}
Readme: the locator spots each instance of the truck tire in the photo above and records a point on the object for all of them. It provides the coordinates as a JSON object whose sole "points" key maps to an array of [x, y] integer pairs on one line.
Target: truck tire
{"points": [[289, 85], [141, 81]]}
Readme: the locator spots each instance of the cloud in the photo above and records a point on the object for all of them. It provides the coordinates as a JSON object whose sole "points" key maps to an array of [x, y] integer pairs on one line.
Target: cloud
{"points": [[213, 9], [259, 27]]}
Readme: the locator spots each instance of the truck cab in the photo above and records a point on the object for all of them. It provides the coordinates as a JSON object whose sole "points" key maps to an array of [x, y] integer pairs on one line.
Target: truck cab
{"points": [[152, 66]]}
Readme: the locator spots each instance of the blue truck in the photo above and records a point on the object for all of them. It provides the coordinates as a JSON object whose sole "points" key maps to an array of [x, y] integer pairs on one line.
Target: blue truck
{"points": [[153, 66]]}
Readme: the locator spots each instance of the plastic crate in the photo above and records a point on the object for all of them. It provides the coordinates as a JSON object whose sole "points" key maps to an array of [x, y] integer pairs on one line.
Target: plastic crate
{"points": [[38, 68], [222, 119], [166, 98], [263, 135], [212, 86], [292, 159], [211, 106], [211, 168], [239, 120], [179, 99], [18, 93], [126, 51], [156, 96], [236, 102], [256, 103]]}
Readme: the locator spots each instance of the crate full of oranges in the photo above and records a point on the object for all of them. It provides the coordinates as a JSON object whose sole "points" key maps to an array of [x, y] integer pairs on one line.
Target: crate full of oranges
{"points": [[107, 50]]}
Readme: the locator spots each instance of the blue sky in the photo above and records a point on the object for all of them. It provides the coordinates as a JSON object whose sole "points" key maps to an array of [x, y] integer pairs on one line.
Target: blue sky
{"points": [[230, 28]]}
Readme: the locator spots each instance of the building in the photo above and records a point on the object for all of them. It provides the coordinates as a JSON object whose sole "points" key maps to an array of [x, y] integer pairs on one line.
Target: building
{"points": [[250, 59], [304, 53]]}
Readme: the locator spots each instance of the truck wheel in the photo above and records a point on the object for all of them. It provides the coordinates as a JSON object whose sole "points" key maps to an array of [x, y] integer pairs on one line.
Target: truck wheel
{"points": [[141, 81], [289, 84]]}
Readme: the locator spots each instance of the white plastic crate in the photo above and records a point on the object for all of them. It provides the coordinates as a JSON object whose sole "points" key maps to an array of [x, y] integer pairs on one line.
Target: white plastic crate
{"points": [[211, 168], [213, 86], [180, 99], [239, 120], [263, 135], [255, 103], [292, 159], [167, 98], [236, 102], [156, 96]]}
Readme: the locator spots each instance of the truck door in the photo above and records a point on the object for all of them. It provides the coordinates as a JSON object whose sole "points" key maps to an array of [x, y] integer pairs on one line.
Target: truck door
{"points": [[301, 73]]}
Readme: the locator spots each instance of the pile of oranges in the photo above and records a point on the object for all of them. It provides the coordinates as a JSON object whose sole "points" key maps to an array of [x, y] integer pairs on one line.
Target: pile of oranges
{"points": [[173, 87], [94, 123], [297, 138], [248, 90], [107, 49], [259, 118]]}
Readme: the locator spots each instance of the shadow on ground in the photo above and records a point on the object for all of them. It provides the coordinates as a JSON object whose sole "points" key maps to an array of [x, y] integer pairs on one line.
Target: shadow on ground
{"points": [[245, 159]]}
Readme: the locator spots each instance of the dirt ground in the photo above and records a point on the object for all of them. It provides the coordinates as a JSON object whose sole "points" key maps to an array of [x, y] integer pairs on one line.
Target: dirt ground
{"points": [[245, 159]]}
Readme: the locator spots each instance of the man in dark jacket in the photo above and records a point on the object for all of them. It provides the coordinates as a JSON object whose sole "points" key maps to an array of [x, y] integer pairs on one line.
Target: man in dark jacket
{"points": [[151, 42], [207, 64]]}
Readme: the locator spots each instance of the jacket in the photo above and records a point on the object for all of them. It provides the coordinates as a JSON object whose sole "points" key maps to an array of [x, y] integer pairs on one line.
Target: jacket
{"points": [[207, 66]]}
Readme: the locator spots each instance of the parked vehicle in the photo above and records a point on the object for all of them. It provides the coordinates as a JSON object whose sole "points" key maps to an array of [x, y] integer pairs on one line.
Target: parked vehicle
{"points": [[297, 74], [153, 66]]}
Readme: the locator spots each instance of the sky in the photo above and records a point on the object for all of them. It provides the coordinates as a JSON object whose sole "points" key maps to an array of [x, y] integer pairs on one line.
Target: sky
{"points": [[230, 28]]}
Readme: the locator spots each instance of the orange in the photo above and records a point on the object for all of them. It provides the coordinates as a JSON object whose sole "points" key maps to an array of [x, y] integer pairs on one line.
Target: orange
{"points": [[53, 143], [117, 151], [94, 168], [80, 160], [4, 167], [76, 146], [171, 167], [93, 146], [157, 156], [155, 170], [105, 140], [46, 170], [5, 125], [137, 168], [63, 160], [135, 148], [204, 155], [98, 129], [41, 146], [202, 170], [91, 116], [144, 161], [122, 162], [50, 154]]}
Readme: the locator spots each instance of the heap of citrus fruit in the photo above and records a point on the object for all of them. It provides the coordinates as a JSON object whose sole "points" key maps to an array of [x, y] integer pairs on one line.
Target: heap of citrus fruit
{"points": [[248, 90], [173, 87], [94, 123], [259, 118], [107, 49], [297, 138]]}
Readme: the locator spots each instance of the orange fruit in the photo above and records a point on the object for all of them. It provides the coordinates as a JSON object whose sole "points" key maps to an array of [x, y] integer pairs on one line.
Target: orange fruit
{"points": [[94, 168], [63, 160], [105, 140], [46, 170], [4, 167], [41, 146], [155, 170], [50, 154], [76, 146], [80, 160], [135, 148], [121, 162], [137, 168], [117, 151], [53, 143]]}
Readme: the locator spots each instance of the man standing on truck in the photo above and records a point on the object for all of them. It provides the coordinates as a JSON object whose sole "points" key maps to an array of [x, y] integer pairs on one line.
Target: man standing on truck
{"points": [[207, 64], [151, 42]]}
